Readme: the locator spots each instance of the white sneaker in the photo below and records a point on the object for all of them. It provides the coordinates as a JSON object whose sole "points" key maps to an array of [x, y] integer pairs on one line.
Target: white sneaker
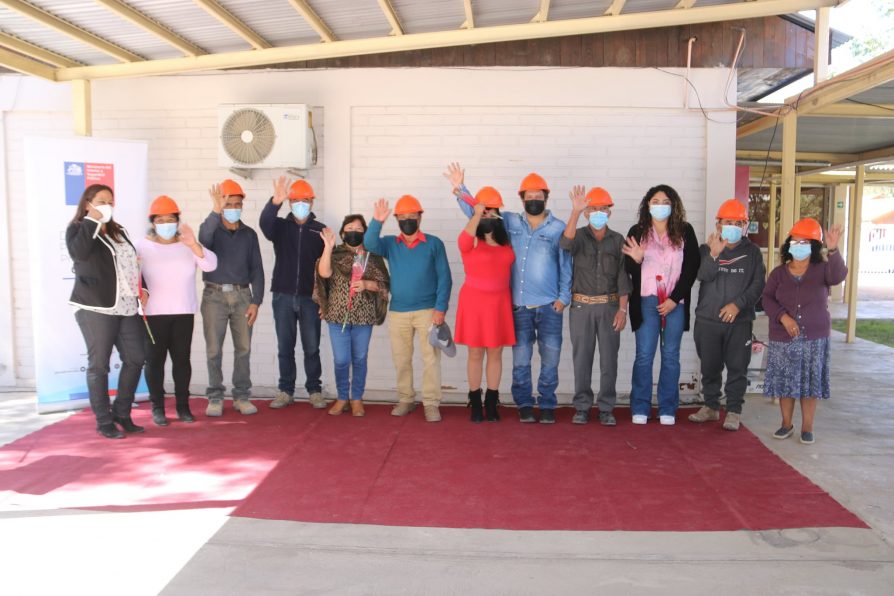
{"points": [[668, 420], [640, 418]]}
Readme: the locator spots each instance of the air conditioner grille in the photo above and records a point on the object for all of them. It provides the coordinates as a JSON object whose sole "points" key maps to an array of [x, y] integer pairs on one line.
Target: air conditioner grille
{"points": [[248, 136]]}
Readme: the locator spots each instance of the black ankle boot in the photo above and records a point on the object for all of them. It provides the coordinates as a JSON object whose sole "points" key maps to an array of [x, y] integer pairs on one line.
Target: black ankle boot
{"points": [[109, 431], [127, 424], [491, 405], [184, 414], [158, 416], [475, 404]]}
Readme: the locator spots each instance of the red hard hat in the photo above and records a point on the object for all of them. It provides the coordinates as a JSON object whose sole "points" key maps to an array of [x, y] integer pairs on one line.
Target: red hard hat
{"points": [[599, 197], [733, 209], [490, 197], [163, 205], [229, 188], [301, 190], [533, 182], [407, 204], [808, 228]]}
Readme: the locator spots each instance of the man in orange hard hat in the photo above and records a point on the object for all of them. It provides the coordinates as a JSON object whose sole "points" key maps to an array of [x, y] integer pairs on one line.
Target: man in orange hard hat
{"points": [[233, 293], [298, 245], [732, 280], [541, 289], [420, 293], [599, 290]]}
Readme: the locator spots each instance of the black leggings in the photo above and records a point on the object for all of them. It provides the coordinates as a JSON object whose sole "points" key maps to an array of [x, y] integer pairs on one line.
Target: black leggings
{"points": [[173, 335]]}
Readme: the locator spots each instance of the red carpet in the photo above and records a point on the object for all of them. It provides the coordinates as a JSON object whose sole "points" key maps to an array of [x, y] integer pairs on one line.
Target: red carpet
{"points": [[304, 465]]}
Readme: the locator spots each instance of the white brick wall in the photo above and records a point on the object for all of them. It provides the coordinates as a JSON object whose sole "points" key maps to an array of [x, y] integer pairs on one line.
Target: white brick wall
{"points": [[392, 132]]}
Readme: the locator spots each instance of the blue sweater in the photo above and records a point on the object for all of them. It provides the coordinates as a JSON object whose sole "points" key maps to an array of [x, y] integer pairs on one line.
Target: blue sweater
{"points": [[420, 276]]}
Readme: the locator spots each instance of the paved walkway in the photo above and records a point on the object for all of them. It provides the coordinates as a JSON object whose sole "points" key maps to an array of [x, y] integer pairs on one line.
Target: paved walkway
{"points": [[205, 552]]}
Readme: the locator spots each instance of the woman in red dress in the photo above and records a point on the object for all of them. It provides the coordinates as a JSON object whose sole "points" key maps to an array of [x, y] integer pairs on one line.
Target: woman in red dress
{"points": [[484, 315]]}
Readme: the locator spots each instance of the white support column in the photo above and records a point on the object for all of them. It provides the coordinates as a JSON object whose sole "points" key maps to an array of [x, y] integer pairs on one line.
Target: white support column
{"points": [[82, 108], [789, 146], [854, 233]]}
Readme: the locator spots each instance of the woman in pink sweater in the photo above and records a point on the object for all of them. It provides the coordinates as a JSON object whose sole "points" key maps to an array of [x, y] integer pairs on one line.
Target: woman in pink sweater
{"points": [[169, 256]]}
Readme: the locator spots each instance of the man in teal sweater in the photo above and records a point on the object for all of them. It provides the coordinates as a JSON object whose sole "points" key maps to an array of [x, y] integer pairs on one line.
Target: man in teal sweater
{"points": [[420, 292]]}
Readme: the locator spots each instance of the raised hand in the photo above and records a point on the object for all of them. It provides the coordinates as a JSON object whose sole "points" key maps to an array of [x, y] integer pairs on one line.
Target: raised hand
{"points": [[478, 210], [833, 236], [716, 244], [633, 249], [578, 198], [381, 211], [455, 175], [217, 200], [281, 190], [187, 236], [328, 237]]}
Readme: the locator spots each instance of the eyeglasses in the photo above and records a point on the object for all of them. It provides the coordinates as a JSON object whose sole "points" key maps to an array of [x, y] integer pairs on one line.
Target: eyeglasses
{"points": [[801, 242]]}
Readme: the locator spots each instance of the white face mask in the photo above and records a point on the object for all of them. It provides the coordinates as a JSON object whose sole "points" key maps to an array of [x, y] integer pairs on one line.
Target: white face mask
{"points": [[105, 210]]}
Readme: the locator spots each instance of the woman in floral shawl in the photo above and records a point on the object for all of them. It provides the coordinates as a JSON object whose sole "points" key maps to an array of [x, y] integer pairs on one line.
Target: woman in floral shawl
{"points": [[352, 291]]}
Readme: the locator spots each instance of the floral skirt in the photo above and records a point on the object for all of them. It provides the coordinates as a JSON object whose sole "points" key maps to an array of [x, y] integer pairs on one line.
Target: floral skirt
{"points": [[798, 368]]}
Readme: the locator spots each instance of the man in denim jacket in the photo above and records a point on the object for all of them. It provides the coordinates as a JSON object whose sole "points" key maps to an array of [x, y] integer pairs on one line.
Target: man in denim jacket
{"points": [[541, 289]]}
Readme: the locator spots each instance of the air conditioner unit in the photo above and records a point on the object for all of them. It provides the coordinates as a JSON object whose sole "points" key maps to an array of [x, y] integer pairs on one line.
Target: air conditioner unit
{"points": [[263, 136]]}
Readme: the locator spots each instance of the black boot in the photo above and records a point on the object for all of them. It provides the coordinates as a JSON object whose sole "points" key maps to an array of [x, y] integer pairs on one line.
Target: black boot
{"points": [[158, 415], [475, 404], [109, 431], [127, 424], [491, 405], [184, 414]]}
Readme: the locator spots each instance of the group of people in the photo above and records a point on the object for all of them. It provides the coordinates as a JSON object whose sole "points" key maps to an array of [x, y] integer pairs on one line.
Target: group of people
{"points": [[522, 271]]}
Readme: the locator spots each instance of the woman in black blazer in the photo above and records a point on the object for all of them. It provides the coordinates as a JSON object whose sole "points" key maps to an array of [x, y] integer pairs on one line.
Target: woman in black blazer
{"points": [[105, 296], [662, 258]]}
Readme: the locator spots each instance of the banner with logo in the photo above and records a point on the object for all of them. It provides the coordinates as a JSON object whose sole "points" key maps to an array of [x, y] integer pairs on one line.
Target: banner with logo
{"points": [[57, 171]]}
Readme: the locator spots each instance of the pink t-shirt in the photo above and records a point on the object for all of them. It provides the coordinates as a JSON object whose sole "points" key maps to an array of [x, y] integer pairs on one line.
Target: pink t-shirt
{"points": [[661, 258], [170, 274]]}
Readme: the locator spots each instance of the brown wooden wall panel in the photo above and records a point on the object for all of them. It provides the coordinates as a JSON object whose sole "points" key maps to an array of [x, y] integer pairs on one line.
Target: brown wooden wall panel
{"points": [[771, 42]]}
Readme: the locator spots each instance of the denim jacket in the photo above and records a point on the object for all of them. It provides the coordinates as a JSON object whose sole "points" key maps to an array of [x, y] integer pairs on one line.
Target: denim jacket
{"points": [[541, 273]]}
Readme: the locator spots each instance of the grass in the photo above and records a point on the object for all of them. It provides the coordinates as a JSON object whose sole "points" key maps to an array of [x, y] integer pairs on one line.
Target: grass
{"points": [[880, 331]]}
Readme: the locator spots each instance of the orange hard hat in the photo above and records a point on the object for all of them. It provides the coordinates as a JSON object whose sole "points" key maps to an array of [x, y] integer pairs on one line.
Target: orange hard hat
{"points": [[733, 209], [163, 205], [599, 197], [808, 228], [407, 204], [229, 188], [300, 189], [490, 197], [533, 182]]}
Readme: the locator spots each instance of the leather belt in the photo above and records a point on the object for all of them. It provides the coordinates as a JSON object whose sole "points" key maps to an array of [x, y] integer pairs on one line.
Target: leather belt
{"points": [[225, 287], [603, 299]]}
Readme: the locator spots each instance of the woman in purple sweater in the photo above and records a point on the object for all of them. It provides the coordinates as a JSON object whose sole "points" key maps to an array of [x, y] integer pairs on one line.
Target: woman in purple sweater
{"points": [[796, 300]]}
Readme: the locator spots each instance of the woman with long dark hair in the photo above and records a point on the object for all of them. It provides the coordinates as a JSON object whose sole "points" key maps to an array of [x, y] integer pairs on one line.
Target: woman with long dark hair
{"points": [[796, 300], [105, 296], [484, 315], [662, 258], [351, 288]]}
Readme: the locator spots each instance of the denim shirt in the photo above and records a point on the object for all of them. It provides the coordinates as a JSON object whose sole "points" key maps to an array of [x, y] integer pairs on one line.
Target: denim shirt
{"points": [[541, 273]]}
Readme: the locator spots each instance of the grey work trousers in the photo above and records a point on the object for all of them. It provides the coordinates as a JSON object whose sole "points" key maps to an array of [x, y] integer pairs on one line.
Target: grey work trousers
{"points": [[591, 324], [718, 345], [221, 310]]}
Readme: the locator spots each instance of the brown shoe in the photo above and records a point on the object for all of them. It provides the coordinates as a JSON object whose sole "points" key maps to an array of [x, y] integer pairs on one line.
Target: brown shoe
{"points": [[704, 414], [432, 414], [357, 408], [317, 401], [403, 408], [731, 422], [340, 405]]}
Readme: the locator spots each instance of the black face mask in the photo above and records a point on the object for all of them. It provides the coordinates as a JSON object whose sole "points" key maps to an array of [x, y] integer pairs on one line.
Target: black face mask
{"points": [[408, 226], [485, 226], [353, 238], [535, 206]]}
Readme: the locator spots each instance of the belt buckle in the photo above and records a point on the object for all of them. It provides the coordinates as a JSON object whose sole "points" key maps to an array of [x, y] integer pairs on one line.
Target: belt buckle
{"points": [[226, 287]]}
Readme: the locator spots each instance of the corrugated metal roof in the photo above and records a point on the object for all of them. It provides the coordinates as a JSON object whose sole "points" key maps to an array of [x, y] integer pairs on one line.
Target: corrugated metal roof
{"points": [[278, 23], [839, 135], [422, 17], [352, 20]]}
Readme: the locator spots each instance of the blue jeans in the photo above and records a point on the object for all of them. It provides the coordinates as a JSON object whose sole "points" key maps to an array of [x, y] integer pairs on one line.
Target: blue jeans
{"points": [[647, 339], [350, 347], [544, 325], [290, 315]]}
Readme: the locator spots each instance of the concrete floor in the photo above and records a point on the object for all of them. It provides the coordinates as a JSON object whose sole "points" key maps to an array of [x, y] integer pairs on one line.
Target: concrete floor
{"points": [[205, 552]]}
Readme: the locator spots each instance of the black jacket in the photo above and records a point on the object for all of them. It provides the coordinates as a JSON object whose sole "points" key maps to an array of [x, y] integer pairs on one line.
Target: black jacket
{"points": [[683, 289], [297, 248], [96, 276]]}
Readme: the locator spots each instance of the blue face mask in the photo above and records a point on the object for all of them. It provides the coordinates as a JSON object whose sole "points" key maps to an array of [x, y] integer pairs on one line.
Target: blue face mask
{"points": [[731, 234], [800, 252], [300, 210], [232, 215], [166, 231], [598, 219], [660, 212]]}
